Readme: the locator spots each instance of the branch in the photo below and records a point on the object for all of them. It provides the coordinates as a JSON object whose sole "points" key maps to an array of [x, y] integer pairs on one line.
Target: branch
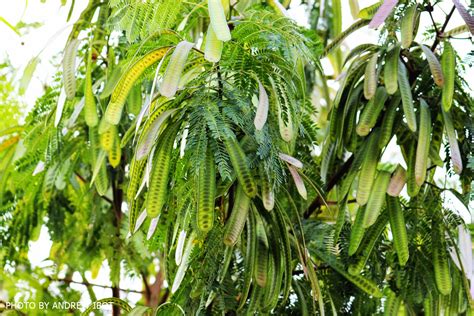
{"points": [[317, 202], [86, 283], [443, 28], [85, 181]]}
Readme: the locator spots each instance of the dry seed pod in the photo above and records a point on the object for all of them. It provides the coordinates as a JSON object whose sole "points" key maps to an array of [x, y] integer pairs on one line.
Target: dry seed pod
{"points": [[397, 182]]}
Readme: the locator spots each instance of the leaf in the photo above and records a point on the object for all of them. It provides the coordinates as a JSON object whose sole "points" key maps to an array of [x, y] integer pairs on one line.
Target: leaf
{"points": [[184, 263], [262, 109], [60, 107], [28, 74], [382, 13]]}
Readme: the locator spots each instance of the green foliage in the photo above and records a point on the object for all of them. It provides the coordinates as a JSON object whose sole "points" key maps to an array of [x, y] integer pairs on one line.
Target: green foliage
{"points": [[189, 192]]}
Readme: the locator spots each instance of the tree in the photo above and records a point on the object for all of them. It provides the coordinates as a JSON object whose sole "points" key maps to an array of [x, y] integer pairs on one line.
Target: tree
{"points": [[189, 126]]}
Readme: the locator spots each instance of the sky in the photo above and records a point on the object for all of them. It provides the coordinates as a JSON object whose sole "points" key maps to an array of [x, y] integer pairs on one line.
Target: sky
{"points": [[48, 41]]}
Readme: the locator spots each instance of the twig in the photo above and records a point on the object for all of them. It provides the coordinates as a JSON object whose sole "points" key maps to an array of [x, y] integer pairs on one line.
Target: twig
{"points": [[317, 202], [86, 283], [85, 181], [443, 28]]}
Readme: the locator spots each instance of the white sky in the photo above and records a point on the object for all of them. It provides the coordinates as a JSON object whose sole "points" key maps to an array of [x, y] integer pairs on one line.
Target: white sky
{"points": [[51, 38]]}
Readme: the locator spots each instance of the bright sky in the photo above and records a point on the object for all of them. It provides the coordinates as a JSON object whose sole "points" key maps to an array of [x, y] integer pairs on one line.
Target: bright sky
{"points": [[50, 38]]}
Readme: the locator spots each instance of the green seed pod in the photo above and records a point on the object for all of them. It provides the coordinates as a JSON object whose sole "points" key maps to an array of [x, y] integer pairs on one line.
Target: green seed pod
{"points": [[423, 145], [376, 199], [235, 223], [399, 231], [407, 99], [448, 65], [391, 70]]}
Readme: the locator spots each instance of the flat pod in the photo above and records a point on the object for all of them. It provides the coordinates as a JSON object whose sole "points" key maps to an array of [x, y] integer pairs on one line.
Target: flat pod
{"points": [[262, 109], [407, 98], [399, 231], [69, 68], [376, 199], [397, 182], [175, 68], [391, 70], [235, 223], [408, 25], [370, 77], [218, 20], [435, 66], [368, 170], [448, 65], [126, 82], [206, 193], [213, 48], [241, 167], [423, 145]]}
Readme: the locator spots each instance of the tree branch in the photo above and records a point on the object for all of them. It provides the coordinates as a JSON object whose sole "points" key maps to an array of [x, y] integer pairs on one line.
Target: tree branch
{"points": [[317, 202], [86, 283], [443, 28]]}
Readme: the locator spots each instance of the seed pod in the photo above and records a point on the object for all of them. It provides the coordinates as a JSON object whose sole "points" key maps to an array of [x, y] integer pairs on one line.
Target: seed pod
{"points": [[206, 193], [213, 48], [423, 145], [448, 65], [370, 77], [368, 12], [412, 187], [399, 231], [178, 255], [371, 112], [440, 259], [434, 65], [369, 241], [291, 160], [354, 6], [391, 70], [376, 199], [90, 108], [407, 99], [69, 68], [106, 134], [382, 13], [123, 87], [218, 20], [392, 304], [115, 153], [453, 142], [175, 68], [151, 130], [238, 216], [268, 196], [158, 190], [397, 182], [357, 231], [261, 268], [262, 109], [298, 182], [408, 25], [183, 266], [436, 138], [367, 172], [386, 131], [239, 162]]}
